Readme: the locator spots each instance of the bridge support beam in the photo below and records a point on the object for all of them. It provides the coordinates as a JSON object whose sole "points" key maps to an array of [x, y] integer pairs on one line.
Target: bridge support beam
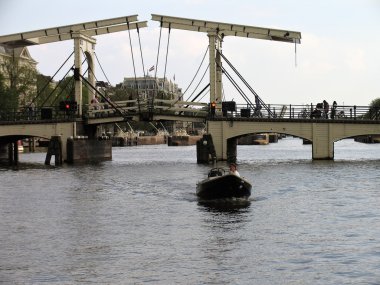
{"points": [[13, 153], [84, 44], [215, 44], [322, 142], [231, 149]]}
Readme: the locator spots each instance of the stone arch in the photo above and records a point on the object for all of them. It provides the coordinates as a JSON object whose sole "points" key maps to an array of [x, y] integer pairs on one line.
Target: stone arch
{"points": [[321, 134], [64, 129]]}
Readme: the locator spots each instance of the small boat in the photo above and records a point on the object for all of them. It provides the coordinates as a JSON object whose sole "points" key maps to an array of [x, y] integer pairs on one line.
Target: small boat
{"points": [[219, 185]]}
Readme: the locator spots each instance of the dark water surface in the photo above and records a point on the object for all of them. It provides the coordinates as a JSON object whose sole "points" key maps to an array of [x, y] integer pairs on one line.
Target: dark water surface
{"points": [[136, 219]]}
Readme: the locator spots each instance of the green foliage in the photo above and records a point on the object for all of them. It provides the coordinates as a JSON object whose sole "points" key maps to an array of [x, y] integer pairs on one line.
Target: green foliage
{"points": [[45, 91], [17, 84], [375, 103], [8, 99], [121, 94], [374, 109]]}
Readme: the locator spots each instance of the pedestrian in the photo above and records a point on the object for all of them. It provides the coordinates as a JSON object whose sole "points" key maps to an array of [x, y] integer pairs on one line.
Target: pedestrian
{"points": [[95, 103], [333, 110], [31, 107], [326, 108]]}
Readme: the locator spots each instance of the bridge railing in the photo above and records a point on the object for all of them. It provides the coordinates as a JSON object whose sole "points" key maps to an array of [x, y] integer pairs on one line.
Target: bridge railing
{"points": [[160, 106], [36, 114], [183, 108], [308, 111]]}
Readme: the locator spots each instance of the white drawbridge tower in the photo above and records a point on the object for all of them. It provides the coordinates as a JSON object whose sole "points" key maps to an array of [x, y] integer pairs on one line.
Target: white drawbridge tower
{"points": [[84, 43], [216, 32]]}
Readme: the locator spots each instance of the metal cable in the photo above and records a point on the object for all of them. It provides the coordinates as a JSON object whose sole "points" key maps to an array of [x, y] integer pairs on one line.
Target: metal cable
{"points": [[208, 66], [238, 88], [133, 58], [167, 52], [51, 93], [247, 84], [47, 83], [196, 73], [102, 69], [156, 68], [143, 66], [208, 92]]}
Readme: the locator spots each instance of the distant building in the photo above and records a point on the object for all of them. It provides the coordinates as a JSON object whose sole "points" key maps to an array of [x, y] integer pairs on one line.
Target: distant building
{"points": [[148, 86], [22, 55]]}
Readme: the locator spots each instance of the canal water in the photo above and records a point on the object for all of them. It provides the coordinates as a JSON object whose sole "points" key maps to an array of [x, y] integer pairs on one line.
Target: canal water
{"points": [[136, 219]]}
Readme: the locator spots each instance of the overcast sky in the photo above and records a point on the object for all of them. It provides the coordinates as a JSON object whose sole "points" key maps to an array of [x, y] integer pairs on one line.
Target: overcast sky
{"points": [[338, 59]]}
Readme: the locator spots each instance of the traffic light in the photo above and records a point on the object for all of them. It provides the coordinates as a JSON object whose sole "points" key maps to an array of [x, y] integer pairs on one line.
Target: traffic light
{"points": [[213, 106], [68, 106]]}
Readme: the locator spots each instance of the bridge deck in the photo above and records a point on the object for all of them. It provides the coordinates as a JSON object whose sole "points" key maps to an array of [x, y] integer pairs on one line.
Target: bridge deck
{"points": [[298, 120]]}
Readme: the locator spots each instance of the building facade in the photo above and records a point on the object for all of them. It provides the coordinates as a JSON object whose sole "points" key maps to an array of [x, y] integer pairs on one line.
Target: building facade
{"points": [[149, 86], [21, 55]]}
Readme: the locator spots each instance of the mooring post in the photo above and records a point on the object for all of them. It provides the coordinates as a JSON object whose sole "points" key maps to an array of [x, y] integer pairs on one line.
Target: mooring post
{"points": [[15, 153], [231, 150], [10, 154], [55, 148]]}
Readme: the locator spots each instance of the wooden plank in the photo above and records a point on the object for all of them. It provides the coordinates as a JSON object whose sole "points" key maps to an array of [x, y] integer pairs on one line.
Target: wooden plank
{"points": [[228, 29], [68, 29]]}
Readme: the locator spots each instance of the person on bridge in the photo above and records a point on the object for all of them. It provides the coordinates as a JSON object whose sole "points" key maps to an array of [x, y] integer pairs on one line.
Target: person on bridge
{"points": [[326, 108], [95, 103], [31, 115], [233, 169], [333, 110]]}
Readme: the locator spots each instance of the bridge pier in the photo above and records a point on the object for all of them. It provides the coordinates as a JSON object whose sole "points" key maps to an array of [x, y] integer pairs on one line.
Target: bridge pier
{"points": [[232, 149], [9, 153], [13, 154], [55, 148], [322, 142]]}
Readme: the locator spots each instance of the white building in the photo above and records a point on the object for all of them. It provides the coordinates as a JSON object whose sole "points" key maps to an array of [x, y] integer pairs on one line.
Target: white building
{"points": [[21, 54], [148, 86]]}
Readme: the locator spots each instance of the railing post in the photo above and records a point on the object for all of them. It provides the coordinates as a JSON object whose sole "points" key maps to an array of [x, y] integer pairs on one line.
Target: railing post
{"points": [[311, 109], [350, 113], [290, 111], [354, 112]]}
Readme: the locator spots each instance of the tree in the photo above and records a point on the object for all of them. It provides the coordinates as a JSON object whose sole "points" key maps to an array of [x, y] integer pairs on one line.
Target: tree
{"points": [[374, 109], [45, 91], [120, 94], [19, 83]]}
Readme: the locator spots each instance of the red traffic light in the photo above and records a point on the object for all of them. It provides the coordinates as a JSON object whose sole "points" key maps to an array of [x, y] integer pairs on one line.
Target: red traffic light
{"points": [[68, 106]]}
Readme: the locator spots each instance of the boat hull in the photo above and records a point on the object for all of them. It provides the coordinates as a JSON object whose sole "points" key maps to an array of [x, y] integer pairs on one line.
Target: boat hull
{"points": [[226, 186]]}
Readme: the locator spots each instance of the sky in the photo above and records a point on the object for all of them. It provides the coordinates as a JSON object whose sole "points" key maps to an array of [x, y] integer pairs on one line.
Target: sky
{"points": [[338, 58]]}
